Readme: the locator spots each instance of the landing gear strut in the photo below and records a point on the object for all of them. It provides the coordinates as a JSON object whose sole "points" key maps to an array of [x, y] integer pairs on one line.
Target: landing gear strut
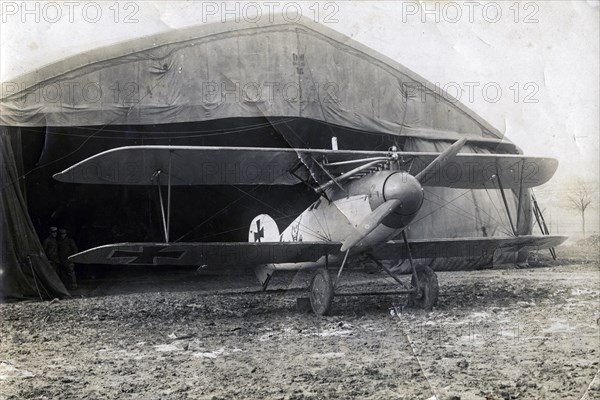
{"points": [[427, 292], [423, 291]]}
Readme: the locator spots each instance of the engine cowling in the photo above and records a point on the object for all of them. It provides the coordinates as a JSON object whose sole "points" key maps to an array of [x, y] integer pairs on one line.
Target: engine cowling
{"points": [[403, 187], [389, 185]]}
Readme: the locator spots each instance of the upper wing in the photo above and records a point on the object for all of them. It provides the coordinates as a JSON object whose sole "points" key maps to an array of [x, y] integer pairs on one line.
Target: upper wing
{"points": [[189, 165], [463, 247], [215, 253], [200, 165]]}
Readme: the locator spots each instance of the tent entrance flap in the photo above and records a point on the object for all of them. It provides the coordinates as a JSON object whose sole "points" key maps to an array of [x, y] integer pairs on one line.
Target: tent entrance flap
{"points": [[27, 273]]}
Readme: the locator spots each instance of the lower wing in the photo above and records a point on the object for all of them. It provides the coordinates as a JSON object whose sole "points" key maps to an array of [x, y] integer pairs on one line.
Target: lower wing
{"points": [[463, 247], [250, 254]]}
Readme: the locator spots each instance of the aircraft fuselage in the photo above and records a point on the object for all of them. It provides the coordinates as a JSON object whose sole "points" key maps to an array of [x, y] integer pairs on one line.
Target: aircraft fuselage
{"points": [[374, 209]]}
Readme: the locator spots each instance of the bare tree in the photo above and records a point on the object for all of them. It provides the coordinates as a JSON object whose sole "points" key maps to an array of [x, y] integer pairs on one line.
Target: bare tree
{"points": [[579, 199]]}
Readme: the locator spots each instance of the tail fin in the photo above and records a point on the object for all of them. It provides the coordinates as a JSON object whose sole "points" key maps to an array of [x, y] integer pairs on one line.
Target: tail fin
{"points": [[263, 228]]}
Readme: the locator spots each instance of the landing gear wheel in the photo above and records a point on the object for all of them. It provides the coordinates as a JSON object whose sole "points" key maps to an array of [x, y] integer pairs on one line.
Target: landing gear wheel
{"points": [[321, 292], [428, 289]]}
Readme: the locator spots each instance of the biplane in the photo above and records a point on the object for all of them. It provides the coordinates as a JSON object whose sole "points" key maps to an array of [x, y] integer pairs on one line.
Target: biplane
{"points": [[366, 201]]}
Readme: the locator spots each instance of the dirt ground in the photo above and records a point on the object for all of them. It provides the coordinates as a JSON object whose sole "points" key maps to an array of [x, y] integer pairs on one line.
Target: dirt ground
{"points": [[496, 334]]}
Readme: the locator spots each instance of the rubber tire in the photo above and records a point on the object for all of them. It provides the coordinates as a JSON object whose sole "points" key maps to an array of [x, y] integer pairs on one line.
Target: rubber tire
{"points": [[321, 292], [429, 289]]}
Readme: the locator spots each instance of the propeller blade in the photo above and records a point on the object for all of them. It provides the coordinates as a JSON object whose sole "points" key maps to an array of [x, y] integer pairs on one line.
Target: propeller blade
{"points": [[369, 223], [440, 161]]}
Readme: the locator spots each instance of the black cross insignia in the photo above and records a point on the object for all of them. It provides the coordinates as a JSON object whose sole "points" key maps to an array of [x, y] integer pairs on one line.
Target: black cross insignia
{"points": [[147, 255], [260, 232]]}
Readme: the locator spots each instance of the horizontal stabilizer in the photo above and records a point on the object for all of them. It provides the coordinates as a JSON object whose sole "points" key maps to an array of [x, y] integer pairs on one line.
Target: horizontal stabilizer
{"points": [[201, 165], [230, 254], [463, 247]]}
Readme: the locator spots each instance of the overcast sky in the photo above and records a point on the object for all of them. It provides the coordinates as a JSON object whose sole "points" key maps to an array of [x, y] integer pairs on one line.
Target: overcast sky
{"points": [[544, 55]]}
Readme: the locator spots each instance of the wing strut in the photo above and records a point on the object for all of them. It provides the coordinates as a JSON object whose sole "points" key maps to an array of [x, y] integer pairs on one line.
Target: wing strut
{"points": [[331, 182], [169, 199], [346, 175], [166, 217], [512, 225], [162, 206]]}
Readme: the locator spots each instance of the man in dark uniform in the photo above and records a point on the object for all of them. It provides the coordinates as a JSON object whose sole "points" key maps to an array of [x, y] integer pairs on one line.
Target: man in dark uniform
{"points": [[51, 248], [66, 248]]}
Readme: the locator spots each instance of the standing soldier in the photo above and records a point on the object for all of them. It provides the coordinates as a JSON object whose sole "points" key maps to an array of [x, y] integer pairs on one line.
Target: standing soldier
{"points": [[51, 248], [66, 248]]}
